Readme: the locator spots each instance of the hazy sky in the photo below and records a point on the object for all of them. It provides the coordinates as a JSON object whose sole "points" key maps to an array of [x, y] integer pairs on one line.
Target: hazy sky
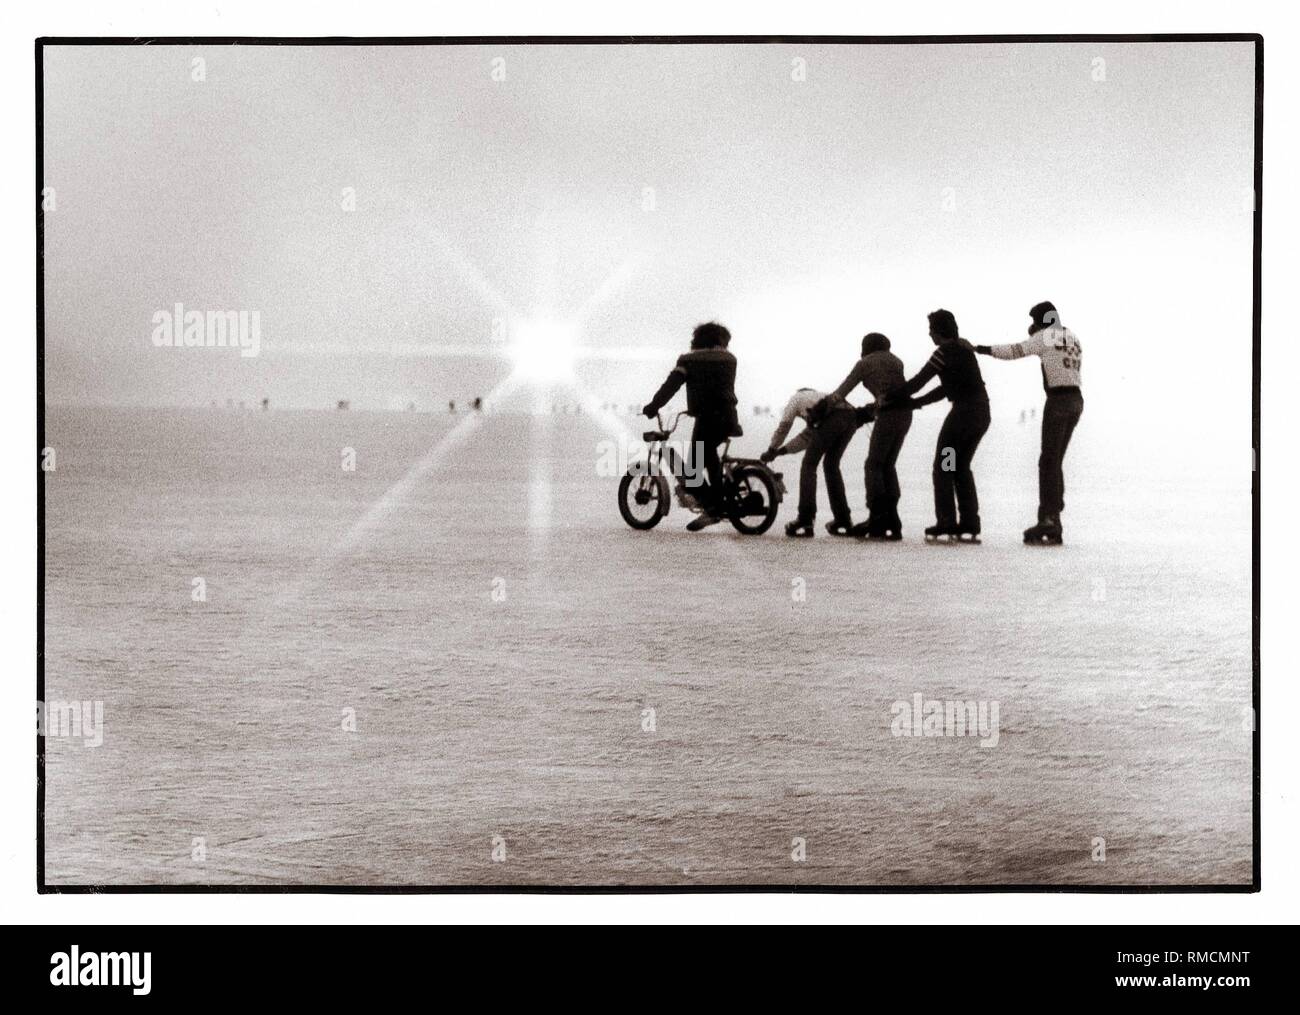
{"points": [[802, 213]]}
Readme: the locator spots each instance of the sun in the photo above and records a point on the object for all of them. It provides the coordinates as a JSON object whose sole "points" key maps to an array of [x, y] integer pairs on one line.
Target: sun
{"points": [[544, 350]]}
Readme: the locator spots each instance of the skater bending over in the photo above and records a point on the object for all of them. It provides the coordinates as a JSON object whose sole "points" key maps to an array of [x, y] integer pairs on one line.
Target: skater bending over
{"points": [[829, 425], [881, 373], [955, 365], [709, 373], [1061, 357]]}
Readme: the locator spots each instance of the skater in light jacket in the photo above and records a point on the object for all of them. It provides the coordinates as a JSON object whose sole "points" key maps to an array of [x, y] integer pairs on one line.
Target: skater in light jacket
{"points": [[1061, 356]]}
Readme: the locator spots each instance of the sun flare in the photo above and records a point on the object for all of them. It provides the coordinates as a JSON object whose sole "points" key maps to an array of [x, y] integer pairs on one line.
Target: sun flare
{"points": [[543, 350]]}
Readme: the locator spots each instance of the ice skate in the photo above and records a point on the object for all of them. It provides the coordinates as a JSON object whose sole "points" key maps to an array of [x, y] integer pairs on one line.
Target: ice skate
{"points": [[1046, 533], [877, 530]]}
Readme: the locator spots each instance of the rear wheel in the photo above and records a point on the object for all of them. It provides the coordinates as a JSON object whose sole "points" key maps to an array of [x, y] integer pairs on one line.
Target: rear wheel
{"points": [[754, 500], [643, 499]]}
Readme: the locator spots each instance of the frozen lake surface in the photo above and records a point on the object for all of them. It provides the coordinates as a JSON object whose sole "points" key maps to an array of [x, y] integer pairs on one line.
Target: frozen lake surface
{"points": [[499, 636]]}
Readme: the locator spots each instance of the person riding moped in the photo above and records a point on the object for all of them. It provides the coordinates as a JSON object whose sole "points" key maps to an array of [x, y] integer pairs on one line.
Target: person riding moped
{"points": [[709, 372]]}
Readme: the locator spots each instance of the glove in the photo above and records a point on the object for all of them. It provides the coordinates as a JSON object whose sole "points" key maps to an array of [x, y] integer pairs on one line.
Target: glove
{"points": [[865, 414], [768, 456], [648, 411], [984, 350]]}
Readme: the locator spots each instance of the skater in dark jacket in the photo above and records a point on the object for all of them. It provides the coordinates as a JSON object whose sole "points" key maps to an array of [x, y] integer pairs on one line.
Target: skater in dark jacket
{"points": [[1061, 357], [829, 424], [709, 373], [881, 373], [955, 365]]}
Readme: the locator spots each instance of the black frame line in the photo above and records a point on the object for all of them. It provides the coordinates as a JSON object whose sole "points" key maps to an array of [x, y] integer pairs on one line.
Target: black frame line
{"points": [[44, 888]]}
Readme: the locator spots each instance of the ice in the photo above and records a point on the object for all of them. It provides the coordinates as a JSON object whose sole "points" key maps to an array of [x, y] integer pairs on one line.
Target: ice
{"points": [[500, 636]]}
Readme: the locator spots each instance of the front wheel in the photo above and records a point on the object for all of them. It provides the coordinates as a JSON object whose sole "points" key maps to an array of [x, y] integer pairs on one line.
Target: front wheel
{"points": [[755, 501], [643, 499]]}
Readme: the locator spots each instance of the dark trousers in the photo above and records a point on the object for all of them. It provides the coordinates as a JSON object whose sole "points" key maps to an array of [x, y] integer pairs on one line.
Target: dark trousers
{"points": [[881, 472], [959, 437], [829, 440], [1060, 417], [709, 432]]}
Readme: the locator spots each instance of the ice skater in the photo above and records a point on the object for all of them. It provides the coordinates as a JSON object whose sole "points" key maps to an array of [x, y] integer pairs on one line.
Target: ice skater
{"points": [[1061, 357], [956, 366], [709, 373], [881, 373], [829, 424]]}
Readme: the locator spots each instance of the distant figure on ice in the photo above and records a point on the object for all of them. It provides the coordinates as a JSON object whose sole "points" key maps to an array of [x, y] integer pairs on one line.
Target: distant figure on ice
{"points": [[960, 381], [451, 407], [829, 424], [709, 373], [1061, 357], [478, 404], [881, 373]]}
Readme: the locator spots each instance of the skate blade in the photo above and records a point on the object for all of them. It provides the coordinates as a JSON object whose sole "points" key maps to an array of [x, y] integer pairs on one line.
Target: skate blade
{"points": [[953, 540]]}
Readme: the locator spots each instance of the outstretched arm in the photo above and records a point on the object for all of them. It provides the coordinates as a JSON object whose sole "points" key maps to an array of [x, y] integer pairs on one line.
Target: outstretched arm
{"points": [[850, 382], [923, 374], [935, 394], [676, 378], [783, 427], [797, 444], [1014, 350]]}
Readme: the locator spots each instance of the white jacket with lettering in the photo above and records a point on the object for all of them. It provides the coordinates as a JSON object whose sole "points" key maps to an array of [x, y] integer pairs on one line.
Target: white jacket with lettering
{"points": [[1058, 349]]}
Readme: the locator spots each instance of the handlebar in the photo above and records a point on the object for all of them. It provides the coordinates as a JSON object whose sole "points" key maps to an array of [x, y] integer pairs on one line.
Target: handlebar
{"points": [[669, 429]]}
